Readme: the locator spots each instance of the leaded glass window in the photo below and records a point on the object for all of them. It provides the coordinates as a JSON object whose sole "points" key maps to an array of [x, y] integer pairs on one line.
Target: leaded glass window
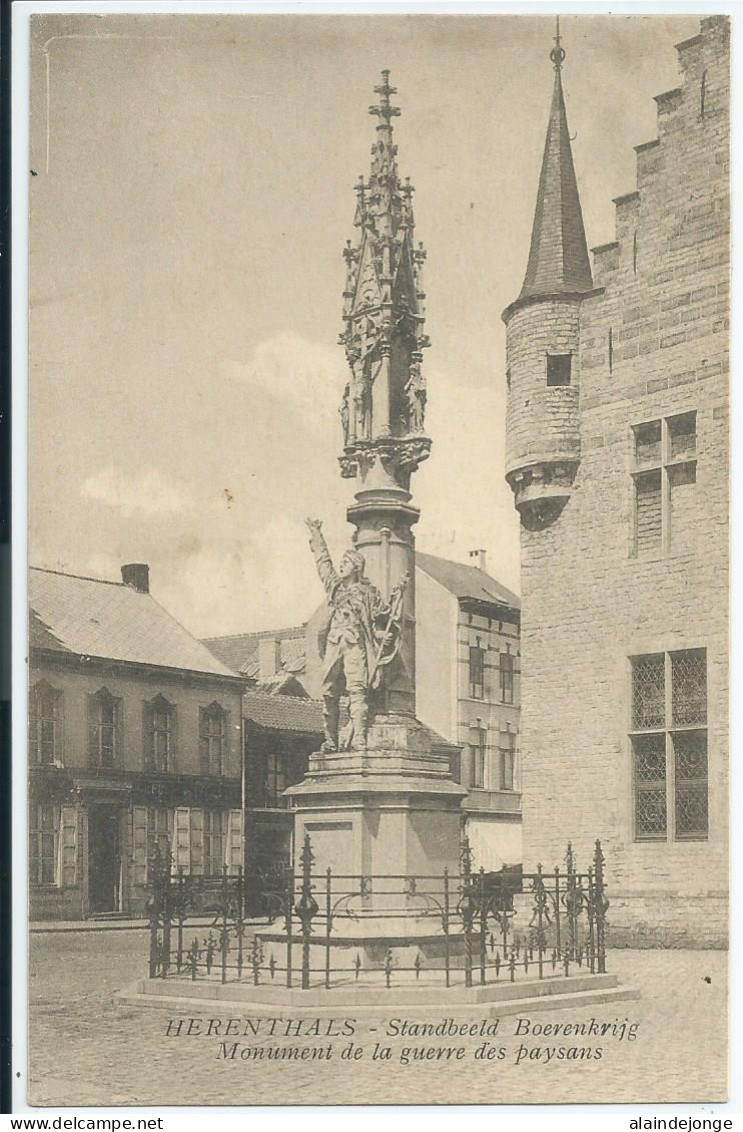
{"points": [[650, 786], [669, 745], [690, 756], [648, 692], [689, 684]]}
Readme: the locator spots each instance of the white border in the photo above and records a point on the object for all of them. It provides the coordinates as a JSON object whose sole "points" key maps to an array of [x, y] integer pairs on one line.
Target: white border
{"points": [[562, 1117]]}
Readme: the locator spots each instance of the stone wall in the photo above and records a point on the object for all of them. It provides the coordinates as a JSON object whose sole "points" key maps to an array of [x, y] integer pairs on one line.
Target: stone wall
{"points": [[653, 344]]}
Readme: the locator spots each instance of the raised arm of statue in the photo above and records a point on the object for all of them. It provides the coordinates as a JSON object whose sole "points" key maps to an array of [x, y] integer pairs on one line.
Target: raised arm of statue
{"points": [[323, 561]]}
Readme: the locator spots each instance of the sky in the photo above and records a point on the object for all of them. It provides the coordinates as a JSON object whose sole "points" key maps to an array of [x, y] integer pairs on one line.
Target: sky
{"points": [[192, 191]]}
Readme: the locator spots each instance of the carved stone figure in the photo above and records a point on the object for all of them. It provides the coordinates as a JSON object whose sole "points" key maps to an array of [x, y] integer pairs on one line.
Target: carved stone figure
{"points": [[362, 394], [345, 411], [361, 636], [415, 390]]}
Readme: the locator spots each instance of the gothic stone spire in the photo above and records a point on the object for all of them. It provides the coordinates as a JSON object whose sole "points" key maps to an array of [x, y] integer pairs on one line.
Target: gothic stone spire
{"points": [[558, 258], [383, 312]]}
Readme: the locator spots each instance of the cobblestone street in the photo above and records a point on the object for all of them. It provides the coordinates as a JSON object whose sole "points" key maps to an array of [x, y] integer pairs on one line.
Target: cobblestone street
{"points": [[85, 1050]]}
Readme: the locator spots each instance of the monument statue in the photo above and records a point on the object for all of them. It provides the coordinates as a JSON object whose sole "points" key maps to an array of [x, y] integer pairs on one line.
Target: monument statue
{"points": [[362, 394], [345, 412], [415, 390], [360, 638]]}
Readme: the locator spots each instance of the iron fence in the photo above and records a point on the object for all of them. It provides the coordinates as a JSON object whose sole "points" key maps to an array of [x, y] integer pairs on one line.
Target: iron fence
{"points": [[326, 928]]}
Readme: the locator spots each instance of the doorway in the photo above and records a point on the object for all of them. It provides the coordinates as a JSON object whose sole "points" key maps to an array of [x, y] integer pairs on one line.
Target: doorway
{"points": [[104, 859]]}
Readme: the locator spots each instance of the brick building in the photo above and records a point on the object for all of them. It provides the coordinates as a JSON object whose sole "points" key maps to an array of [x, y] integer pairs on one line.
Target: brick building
{"points": [[134, 738], [617, 454]]}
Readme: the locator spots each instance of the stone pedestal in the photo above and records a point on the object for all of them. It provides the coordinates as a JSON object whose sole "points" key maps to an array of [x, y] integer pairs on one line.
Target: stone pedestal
{"points": [[386, 822]]}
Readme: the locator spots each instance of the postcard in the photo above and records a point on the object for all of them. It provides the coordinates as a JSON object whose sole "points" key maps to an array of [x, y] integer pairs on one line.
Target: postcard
{"points": [[378, 558]]}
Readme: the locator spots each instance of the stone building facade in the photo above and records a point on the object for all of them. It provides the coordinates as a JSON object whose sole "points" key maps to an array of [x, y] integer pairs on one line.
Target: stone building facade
{"points": [[617, 453], [135, 739]]}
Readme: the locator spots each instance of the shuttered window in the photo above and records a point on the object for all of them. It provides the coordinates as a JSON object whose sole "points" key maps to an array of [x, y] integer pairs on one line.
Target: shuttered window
{"points": [[648, 512], [665, 474]]}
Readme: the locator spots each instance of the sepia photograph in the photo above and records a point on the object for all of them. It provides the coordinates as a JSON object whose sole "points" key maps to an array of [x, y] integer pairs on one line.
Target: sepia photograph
{"points": [[378, 542]]}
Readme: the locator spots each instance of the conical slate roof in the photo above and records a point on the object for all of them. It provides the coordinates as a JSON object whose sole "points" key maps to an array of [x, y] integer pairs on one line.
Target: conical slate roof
{"points": [[558, 257]]}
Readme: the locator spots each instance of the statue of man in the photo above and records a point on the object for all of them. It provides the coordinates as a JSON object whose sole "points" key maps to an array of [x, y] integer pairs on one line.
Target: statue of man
{"points": [[352, 640], [362, 396], [345, 412], [415, 390]]}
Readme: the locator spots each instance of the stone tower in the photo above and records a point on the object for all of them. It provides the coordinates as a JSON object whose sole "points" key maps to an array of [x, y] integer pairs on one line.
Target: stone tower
{"points": [[381, 802], [542, 430]]}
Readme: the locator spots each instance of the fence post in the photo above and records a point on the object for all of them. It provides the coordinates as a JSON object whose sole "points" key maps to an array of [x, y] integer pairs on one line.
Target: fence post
{"points": [[467, 908], [571, 902], [541, 898], [224, 934], [239, 921], [306, 909], [591, 945], [328, 922], [446, 927], [153, 909], [289, 908], [601, 906], [483, 924], [165, 888], [558, 942], [181, 909]]}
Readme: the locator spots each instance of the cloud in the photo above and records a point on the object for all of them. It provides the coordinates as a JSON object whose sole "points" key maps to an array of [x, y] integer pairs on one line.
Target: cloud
{"points": [[144, 492], [305, 377]]}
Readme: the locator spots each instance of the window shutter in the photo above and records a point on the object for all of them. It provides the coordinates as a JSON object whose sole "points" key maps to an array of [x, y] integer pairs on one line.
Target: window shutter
{"points": [[197, 842], [234, 854], [139, 845], [68, 847], [648, 489], [183, 839]]}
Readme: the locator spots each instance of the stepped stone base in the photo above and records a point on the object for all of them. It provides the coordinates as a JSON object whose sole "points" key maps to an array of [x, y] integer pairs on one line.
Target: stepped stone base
{"points": [[429, 997]]}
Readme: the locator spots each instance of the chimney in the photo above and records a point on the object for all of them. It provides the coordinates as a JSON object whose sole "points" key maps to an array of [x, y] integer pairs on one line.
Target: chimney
{"points": [[269, 657], [136, 575], [481, 562]]}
